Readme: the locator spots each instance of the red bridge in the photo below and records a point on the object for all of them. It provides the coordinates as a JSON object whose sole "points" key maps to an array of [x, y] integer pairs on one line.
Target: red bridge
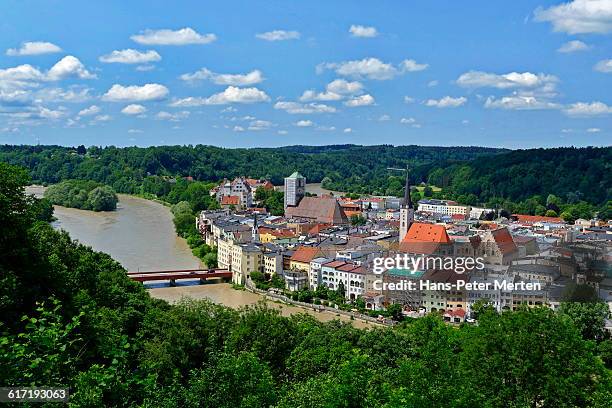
{"points": [[173, 276]]}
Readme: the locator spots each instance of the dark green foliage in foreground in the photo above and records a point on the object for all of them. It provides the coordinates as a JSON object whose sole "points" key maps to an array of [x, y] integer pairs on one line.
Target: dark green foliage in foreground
{"points": [[71, 317], [86, 195]]}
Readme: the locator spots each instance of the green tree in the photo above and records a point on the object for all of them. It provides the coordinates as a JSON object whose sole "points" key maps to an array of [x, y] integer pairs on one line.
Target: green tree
{"points": [[588, 317], [102, 198]]}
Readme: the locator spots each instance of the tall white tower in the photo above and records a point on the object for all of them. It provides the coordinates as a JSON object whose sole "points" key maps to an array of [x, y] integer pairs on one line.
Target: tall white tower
{"points": [[406, 210], [295, 189]]}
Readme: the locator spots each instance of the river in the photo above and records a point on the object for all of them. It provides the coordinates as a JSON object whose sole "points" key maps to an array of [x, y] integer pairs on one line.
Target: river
{"points": [[140, 235]]}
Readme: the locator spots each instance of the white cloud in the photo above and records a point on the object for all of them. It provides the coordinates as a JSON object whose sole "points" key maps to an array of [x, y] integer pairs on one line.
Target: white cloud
{"points": [[135, 93], [278, 35], [33, 48], [361, 100], [478, 79], [407, 121], [69, 67], [134, 109], [384, 118], [260, 125], [371, 68], [184, 36], [604, 66], [343, 87], [446, 102], [251, 78], [14, 97], [593, 130], [238, 129], [134, 131], [50, 114], [588, 109], [573, 46], [325, 128], [519, 102], [334, 91], [173, 117], [579, 16], [347, 130], [74, 94], [92, 110], [301, 108], [102, 118], [20, 73], [410, 65], [433, 83], [408, 99], [363, 31], [304, 123], [231, 94], [27, 76], [130, 56], [282, 132]]}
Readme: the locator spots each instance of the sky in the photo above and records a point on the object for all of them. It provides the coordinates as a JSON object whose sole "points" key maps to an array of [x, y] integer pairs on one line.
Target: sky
{"points": [[274, 73]]}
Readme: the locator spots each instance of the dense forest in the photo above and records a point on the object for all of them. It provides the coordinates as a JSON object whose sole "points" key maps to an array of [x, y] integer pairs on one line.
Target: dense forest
{"points": [[70, 316], [573, 181], [83, 194]]}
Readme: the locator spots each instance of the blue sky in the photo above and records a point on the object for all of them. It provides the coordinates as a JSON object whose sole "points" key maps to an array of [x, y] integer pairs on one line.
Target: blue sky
{"points": [[274, 73]]}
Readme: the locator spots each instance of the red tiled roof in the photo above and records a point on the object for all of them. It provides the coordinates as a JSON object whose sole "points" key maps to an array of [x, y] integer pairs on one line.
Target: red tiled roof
{"points": [[421, 232], [230, 200], [504, 240], [349, 267], [424, 238], [455, 313], [318, 228], [305, 254], [334, 264], [321, 209], [530, 219]]}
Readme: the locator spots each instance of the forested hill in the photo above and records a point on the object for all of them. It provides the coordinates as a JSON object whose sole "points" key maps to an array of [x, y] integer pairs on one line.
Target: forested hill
{"points": [[573, 174], [469, 174], [353, 166]]}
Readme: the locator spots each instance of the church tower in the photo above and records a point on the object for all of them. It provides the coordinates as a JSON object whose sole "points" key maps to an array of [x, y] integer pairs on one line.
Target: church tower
{"points": [[406, 210]]}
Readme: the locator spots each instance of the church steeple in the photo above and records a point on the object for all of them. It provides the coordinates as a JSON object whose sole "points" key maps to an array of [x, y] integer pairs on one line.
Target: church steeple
{"points": [[407, 202], [406, 210]]}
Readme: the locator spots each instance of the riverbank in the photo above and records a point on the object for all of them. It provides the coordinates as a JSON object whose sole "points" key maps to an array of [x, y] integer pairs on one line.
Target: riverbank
{"points": [[224, 294]]}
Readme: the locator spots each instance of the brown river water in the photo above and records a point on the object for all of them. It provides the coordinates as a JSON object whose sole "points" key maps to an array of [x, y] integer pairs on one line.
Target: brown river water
{"points": [[140, 235]]}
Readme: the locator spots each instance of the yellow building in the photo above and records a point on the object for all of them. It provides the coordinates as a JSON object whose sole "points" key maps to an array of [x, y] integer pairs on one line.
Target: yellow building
{"points": [[240, 259], [300, 260]]}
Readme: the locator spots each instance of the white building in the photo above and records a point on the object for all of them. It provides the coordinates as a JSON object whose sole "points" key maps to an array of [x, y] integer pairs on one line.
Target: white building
{"points": [[443, 207]]}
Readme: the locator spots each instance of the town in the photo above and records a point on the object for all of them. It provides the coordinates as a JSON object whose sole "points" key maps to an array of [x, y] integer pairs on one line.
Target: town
{"points": [[332, 244]]}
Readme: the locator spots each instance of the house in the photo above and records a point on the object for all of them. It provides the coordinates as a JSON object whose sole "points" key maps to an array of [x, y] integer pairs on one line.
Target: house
{"points": [[318, 209], [441, 293], [337, 274], [295, 280], [315, 277], [498, 247], [240, 259], [230, 201], [302, 256], [240, 187]]}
